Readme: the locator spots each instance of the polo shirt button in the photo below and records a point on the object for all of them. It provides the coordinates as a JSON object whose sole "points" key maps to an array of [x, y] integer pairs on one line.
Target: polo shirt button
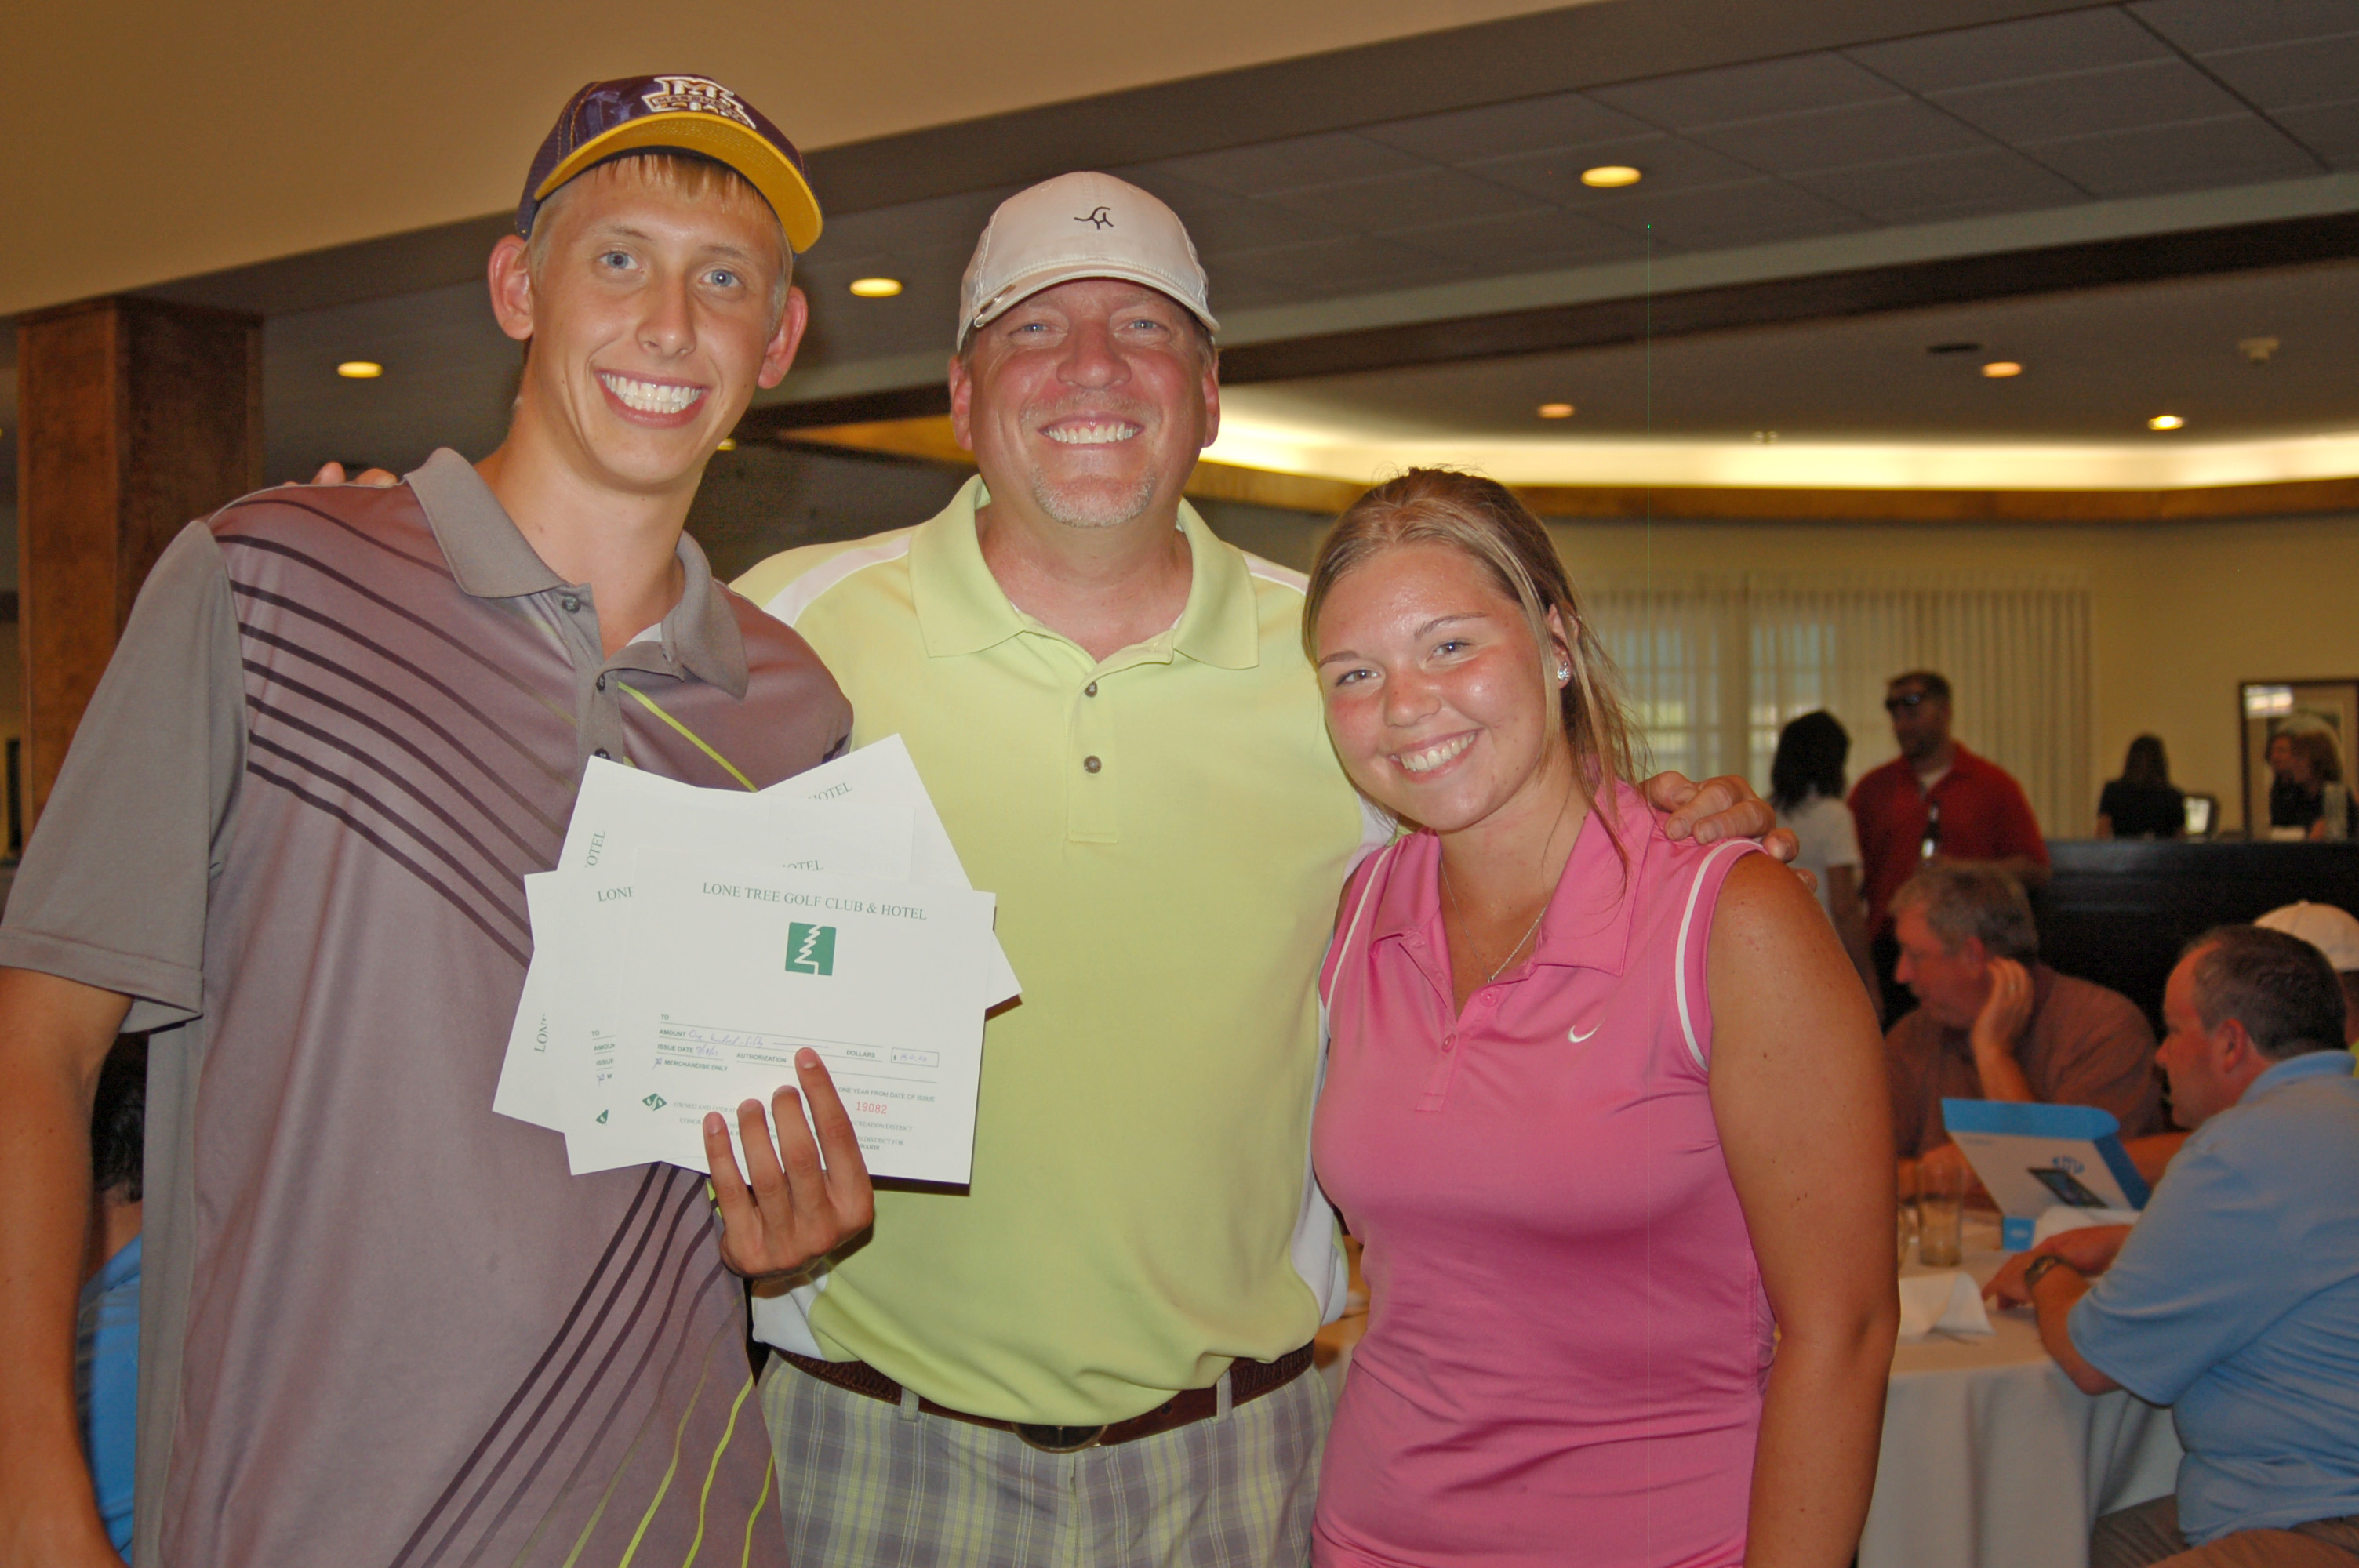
{"points": [[572, 605], [1450, 1043], [1091, 689], [601, 754], [1090, 765], [602, 683]]}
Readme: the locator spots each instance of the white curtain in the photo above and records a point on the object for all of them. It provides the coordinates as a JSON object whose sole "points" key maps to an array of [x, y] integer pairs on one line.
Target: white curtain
{"points": [[1713, 664]]}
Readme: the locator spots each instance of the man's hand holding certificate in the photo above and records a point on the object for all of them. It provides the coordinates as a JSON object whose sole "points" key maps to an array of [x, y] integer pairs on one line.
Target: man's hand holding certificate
{"points": [[696, 949]]}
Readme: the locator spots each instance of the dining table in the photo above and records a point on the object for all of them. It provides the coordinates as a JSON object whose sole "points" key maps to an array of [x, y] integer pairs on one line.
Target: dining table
{"points": [[1990, 1458]]}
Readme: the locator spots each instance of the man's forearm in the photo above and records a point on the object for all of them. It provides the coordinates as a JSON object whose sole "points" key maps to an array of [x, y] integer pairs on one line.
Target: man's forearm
{"points": [[2053, 1300], [47, 1513]]}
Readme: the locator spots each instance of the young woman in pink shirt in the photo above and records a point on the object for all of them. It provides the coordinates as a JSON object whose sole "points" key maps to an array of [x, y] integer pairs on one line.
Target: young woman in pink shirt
{"points": [[1607, 1111]]}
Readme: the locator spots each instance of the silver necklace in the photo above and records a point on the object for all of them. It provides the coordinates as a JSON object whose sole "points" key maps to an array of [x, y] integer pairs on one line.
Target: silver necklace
{"points": [[1452, 895]]}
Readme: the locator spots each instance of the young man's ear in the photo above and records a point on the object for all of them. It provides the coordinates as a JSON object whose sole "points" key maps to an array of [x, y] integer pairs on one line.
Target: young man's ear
{"points": [[511, 284], [780, 353]]}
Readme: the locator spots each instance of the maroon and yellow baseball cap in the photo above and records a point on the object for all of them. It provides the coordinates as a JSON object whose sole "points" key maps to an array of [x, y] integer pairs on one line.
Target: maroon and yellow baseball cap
{"points": [[674, 113]]}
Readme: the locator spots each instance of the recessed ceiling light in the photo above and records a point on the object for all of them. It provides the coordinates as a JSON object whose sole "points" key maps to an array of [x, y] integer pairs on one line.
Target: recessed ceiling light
{"points": [[1954, 348], [876, 287], [1556, 410], [2165, 422], [1611, 175], [360, 369], [727, 445], [1999, 369]]}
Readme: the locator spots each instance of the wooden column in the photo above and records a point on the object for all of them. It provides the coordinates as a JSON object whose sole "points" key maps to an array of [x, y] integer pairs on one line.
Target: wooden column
{"points": [[134, 415]]}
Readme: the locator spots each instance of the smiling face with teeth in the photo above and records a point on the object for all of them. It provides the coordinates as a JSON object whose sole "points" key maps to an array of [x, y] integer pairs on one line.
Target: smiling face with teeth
{"points": [[1086, 403], [1441, 706], [653, 313]]}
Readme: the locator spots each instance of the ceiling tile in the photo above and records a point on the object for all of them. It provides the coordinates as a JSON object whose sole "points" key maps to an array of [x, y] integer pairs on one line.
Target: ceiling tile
{"points": [[2330, 130], [1534, 239], [1744, 92], [1287, 165], [1668, 163], [2012, 51], [1759, 211], [1988, 179], [2202, 25], [2235, 151], [1325, 267], [2120, 98], [1218, 222], [1413, 199], [1531, 124], [2279, 76], [1837, 138]]}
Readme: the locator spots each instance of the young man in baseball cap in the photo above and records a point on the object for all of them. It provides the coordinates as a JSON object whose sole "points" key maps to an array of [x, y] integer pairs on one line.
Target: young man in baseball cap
{"points": [[1100, 1354], [382, 1324]]}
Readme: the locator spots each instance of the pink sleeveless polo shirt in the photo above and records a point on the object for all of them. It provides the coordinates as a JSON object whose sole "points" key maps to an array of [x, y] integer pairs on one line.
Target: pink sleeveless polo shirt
{"points": [[1568, 1341]]}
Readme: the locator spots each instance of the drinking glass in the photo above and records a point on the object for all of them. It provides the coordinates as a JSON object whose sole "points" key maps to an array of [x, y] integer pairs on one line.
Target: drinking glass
{"points": [[1941, 1213], [1905, 1213]]}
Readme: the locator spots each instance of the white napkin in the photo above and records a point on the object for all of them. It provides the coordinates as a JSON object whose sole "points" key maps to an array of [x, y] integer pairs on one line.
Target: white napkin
{"points": [[2063, 1217], [1950, 1302]]}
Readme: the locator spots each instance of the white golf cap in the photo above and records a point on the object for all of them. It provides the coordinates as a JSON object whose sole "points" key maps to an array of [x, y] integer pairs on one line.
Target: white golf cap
{"points": [[2330, 930], [1079, 226]]}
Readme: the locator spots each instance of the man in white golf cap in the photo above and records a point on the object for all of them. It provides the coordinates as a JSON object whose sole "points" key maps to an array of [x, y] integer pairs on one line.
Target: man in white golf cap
{"points": [[2335, 932], [1096, 1354]]}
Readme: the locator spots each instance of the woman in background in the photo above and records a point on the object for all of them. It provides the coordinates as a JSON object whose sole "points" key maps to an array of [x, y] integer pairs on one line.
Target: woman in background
{"points": [[1608, 1111], [2143, 803], [1806, 788]]}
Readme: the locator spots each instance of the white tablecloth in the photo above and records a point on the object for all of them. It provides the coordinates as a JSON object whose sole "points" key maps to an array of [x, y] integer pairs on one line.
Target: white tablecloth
{"points": [[1993, 1459]]}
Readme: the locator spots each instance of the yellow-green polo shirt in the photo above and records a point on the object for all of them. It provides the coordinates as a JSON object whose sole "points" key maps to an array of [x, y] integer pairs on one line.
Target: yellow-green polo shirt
{"points": [[1167, 831]]}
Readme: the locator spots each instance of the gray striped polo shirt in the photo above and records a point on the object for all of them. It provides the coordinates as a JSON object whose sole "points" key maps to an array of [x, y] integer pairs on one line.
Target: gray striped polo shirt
{"points": [[381, 1323]]}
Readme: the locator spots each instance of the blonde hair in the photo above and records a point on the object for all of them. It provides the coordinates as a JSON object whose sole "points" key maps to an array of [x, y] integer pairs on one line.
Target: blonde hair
{"points": [[699, 180], [1483, 520]]}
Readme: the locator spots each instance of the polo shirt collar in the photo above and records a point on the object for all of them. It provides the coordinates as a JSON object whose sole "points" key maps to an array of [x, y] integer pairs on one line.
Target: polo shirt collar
{"points": [[491, 558], [961, 609], [2335, 1064], [1587, 923], [1587, 926]]}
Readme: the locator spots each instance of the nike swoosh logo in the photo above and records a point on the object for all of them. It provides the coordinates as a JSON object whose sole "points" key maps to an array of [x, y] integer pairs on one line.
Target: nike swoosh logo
{"points": [[1576, 1036]]}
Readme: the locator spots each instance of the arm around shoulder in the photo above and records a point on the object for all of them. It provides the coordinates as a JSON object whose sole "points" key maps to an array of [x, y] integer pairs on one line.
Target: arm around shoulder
{"points": [[1799, 1095]]}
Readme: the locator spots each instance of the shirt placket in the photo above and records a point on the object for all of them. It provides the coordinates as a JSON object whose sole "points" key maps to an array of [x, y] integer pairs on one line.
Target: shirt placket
{"points": [[598, 693], [1092, 768], [1480, 1009]]}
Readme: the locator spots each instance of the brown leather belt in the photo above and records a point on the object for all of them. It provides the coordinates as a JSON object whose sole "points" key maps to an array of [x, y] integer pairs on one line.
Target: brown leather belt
{"points": [[1247, 1380]]}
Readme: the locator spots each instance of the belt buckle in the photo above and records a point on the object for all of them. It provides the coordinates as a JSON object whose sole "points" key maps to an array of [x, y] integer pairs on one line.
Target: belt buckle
{"points": [[1060, 1439]]}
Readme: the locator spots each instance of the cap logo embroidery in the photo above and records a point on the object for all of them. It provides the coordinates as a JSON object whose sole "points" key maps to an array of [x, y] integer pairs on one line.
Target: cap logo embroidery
{"points": [[1097, 217], [696, 96]]}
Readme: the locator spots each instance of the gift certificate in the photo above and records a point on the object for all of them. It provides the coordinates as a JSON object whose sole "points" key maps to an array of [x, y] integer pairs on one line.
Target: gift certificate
{"points": [[737, 966]]}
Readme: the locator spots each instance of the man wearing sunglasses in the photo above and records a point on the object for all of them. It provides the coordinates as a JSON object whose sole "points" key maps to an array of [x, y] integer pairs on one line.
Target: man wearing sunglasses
{"points": [[1936, 802]]}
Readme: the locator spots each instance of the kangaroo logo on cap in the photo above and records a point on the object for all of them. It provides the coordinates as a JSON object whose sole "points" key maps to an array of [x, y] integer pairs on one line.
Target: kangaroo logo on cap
{"points": [[1100, 217], [696, 96]]}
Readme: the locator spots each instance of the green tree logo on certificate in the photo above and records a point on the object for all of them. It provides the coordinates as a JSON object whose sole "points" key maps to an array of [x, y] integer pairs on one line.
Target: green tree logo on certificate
{"points": [[810, 949]]}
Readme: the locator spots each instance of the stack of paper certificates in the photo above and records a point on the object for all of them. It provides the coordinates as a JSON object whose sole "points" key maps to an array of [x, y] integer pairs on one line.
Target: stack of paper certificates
{"points": [[691, 941]]}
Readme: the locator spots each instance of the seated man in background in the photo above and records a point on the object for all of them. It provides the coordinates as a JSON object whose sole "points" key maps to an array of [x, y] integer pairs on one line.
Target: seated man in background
{"points": [[106, 1337], [2236, 1298], [1994, 1022], [2334, 934]]}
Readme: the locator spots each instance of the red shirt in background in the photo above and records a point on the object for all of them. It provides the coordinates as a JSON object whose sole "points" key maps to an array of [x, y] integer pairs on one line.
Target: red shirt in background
{"points": [[1984, 817]]}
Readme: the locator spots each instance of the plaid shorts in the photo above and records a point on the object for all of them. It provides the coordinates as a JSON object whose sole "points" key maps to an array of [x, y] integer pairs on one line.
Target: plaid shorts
{"points": [[862, 1483]]}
